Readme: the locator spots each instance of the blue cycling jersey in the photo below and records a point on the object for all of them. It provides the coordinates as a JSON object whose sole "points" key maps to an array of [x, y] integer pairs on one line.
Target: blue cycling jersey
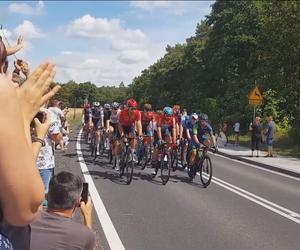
{"points": [[187, 124]]}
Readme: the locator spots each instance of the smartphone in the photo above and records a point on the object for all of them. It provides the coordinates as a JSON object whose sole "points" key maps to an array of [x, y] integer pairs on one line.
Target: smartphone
{"points": [[85, 192], [41, 116]]}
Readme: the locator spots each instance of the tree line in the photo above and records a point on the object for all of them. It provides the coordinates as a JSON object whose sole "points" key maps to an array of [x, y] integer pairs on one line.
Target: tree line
{"points": [[238, 45], [74, 94]]}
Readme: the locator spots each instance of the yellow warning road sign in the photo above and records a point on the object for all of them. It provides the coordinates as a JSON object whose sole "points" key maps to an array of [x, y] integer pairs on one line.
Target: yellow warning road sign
{"points": [[255, 95], [255, 98]]}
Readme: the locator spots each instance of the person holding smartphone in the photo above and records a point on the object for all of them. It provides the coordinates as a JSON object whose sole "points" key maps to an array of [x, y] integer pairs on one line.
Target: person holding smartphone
{"points": [[54, 228]]}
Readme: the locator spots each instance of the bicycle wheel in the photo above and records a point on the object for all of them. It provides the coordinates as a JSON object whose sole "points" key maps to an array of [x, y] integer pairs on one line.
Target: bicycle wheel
{"points": [[109, 156], [165, 168], [175, 159], [93, 146], [146, 156], [128, 168], [205, 171]]}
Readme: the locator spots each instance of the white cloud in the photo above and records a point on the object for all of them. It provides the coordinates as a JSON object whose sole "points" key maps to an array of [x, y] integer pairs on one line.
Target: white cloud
{"points": [[151, 5], [66, 52], [26, 9], [104, 67], [133, 56], [111, 30], [28, 30]]}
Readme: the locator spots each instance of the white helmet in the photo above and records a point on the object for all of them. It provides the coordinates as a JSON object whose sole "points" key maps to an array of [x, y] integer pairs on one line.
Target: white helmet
{"points": [[96, 104], [194, 116]]}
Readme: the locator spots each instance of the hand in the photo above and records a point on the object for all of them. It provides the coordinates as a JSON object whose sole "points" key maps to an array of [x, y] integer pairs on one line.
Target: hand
{"points": [[42, 128], [31, 94], [25, 69], [17, 66], [86, 208]]}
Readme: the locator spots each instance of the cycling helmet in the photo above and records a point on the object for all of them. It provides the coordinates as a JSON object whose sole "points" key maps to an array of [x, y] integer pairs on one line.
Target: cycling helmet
{"points": [[176, 109], [107, 106], [168, 111], [194, 116], [203, 117], [96, 104], [147, 106], [131, 103], [115, 105]]}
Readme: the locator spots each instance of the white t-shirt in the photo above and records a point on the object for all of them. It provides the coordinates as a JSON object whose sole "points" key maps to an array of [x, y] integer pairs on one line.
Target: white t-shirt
{"points": [[56, 113], [45, 159], [236, 127]]}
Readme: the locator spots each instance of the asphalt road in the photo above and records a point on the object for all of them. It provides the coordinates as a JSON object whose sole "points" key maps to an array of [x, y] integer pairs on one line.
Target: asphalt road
{"points": [[243, 208]]}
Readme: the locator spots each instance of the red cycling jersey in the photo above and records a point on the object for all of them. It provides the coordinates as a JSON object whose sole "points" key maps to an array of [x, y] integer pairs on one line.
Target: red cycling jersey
{"points": [[147, 117], [165, 121], [126, 119], [177, 119]]}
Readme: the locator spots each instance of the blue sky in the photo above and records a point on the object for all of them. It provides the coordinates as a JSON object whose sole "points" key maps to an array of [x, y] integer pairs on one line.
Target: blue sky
{"points": [[103, 42]]}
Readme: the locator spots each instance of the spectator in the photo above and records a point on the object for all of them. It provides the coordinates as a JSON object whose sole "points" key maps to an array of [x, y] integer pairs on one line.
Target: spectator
{"points": [[20, 197], [20, 65], [53, 228], [256, 135], [271, 128], [236, 129], [45, 161], [58, 115]]}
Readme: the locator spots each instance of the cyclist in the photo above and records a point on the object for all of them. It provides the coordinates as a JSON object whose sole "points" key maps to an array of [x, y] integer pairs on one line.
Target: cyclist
{"points": [[106, 117], [147, 118], [85, 120], [130, 124], [202, 134], [166, 131], [177, 116], [187, 125], [96, 117]]}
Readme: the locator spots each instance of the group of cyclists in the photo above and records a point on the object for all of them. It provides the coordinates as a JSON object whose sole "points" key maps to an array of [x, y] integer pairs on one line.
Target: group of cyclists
{"points": [[125, 122]]}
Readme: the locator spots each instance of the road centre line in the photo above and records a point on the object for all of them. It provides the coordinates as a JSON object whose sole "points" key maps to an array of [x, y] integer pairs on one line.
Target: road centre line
{"points": [[110, 232], [289, 214], [260, 168]]}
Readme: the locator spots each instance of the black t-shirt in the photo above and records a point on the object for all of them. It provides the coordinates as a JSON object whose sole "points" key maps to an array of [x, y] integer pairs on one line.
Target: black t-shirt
{"points": [[256, 130], [107, 114]]}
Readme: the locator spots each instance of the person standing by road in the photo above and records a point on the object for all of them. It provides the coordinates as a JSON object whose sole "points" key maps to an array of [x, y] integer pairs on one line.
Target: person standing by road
{"points": [[256, 132], [271, 128], [236, 129]]}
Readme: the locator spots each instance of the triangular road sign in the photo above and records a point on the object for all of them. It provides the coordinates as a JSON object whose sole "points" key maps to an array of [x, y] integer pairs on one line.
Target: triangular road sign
{"points": [[255, 95]]}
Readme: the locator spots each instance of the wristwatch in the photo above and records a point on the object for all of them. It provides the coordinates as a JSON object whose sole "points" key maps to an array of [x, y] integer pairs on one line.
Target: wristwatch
{"points": [[36, 139]]}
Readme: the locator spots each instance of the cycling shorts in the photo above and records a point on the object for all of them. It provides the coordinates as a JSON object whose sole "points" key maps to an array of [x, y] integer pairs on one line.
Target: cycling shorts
{"points": [[147, 130], [97, 123], [202, 139]]}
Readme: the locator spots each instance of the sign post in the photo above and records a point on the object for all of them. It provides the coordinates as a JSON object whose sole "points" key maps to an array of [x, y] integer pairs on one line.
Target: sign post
{"points": [[255, 99]]}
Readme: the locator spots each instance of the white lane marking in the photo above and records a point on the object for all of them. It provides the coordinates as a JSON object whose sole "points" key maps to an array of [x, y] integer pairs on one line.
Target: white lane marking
{"points": [[260, 168], [258, 200], [110, 232]]}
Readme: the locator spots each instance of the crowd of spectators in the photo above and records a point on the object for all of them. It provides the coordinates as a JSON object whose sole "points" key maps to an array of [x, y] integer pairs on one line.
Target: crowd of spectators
{"points": [[36, 206]]}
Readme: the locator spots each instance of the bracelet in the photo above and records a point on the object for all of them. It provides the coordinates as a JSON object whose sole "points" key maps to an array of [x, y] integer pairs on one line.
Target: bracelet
{"points": [[36, 139]]}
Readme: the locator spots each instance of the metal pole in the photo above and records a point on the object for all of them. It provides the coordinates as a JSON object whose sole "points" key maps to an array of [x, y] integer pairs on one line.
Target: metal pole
{"points": [[253, 113]]}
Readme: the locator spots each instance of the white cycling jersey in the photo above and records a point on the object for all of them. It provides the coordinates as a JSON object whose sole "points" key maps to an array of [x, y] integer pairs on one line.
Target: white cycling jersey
{"points": [[114, 117]]}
